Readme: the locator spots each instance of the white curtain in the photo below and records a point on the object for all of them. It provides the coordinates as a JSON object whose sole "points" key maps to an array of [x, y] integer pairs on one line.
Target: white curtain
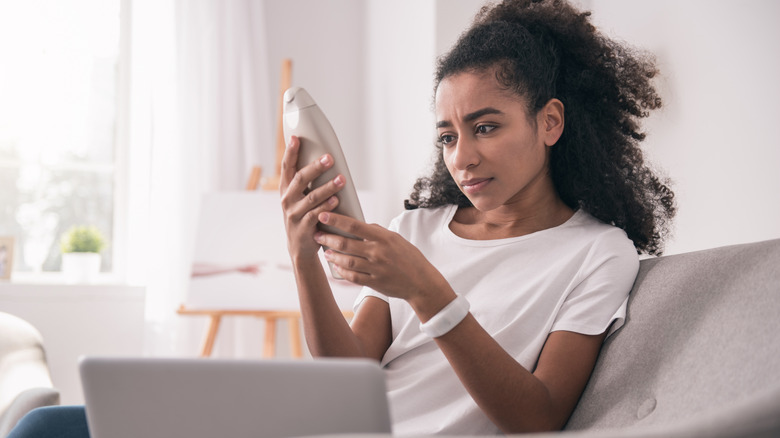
{"points": [[200, 119]]}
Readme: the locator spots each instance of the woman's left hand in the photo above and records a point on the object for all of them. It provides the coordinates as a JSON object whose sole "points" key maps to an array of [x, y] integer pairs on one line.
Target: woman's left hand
{"points": [[382, 260]]}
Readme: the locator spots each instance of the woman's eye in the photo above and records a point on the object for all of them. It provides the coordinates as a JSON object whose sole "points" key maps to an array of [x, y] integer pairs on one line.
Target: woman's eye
{"points": [[485, 129], [446, 139]]}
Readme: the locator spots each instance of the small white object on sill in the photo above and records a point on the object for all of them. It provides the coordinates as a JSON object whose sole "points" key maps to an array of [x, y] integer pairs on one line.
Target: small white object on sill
{"points": [[80, 267]]}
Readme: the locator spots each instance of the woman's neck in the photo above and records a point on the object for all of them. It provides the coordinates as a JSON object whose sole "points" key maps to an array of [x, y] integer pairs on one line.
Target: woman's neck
{"points": [[509, 221]]}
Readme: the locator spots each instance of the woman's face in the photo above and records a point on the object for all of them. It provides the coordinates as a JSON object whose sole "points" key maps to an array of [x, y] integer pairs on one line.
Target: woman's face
{"points": [[494, 151]]}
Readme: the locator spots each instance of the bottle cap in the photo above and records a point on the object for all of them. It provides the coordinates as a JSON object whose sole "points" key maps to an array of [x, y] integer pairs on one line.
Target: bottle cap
{"points": [[296, 98]]}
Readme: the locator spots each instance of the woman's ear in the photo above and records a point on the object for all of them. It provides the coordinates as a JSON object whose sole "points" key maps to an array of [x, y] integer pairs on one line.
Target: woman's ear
{"points": [[551, 121]]}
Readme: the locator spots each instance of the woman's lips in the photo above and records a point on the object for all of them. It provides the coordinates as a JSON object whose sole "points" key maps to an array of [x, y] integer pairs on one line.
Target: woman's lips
{"points": [[475, 184]]}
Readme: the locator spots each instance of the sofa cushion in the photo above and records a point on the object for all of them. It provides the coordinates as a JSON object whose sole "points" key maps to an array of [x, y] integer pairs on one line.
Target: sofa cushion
{"points": [[701, 334]]}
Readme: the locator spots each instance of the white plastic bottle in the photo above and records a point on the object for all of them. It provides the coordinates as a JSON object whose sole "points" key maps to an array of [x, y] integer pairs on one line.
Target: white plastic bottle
{"points": [[304, 119]]}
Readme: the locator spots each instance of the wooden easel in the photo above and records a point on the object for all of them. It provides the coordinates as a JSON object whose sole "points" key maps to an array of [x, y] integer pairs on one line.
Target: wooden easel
{"points": [[286, 81], [271, 317]]}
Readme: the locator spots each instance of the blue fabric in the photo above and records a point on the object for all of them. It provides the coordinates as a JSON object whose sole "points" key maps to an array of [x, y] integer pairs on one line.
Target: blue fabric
{"points": [[52, 422]]}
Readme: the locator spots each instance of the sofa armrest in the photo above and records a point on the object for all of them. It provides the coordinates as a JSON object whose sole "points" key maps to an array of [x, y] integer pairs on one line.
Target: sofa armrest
{"points": [[25, 402]]}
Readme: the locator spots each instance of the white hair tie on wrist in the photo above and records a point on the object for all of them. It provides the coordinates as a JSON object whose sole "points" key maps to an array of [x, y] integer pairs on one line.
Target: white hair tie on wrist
{"points": [[447, 318]]}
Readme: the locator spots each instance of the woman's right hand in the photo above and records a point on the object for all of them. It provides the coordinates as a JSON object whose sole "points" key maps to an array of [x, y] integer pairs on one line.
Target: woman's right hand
{"points": [[301, 206], [326, 331]]}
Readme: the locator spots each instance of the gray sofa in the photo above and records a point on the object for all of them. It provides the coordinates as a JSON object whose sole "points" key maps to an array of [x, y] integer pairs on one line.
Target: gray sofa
{"points": [[25, 382], [699, 355]]}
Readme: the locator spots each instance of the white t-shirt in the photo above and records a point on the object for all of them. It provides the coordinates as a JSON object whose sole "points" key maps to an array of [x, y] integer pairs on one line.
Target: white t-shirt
{"points": [[573, 277]]}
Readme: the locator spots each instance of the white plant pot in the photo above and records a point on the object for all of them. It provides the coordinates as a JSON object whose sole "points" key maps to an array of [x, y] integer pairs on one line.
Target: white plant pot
{"points": [[80, 267]]}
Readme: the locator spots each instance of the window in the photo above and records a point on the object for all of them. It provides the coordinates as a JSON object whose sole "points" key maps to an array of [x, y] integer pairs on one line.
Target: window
{"points": [[59, 95]]}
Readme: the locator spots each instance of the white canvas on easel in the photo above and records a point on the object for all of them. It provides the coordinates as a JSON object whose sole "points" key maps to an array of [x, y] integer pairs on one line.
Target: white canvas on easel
{"points": [[240, 229]]}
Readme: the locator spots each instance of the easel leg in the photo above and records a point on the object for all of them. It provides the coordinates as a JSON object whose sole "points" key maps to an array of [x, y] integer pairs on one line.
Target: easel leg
{"points": [[211, 335], [295, 337], [269, 348]]}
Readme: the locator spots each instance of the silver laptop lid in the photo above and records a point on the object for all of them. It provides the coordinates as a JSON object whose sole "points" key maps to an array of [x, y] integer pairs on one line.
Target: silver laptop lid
{"points": [[148, 397]]}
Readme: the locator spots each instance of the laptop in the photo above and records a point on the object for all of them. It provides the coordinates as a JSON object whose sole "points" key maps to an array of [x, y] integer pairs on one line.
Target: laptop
{"points": [[207, 398]]}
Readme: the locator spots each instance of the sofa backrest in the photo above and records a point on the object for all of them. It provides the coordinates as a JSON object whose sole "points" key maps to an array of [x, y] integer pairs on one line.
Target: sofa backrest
{"points": [[702, 332]]}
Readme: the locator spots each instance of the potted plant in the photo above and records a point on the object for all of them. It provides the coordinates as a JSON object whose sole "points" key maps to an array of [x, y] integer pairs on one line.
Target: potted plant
{"points": [[81, 246]]}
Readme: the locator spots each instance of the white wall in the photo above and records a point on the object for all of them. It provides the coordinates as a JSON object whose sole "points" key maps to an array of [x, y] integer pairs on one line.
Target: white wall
{"points": [[716, 135], [452, 19], [401, 50]]}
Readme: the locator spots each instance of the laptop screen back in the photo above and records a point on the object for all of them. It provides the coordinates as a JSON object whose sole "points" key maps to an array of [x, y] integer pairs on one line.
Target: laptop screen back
{"points": [[145, 397]]}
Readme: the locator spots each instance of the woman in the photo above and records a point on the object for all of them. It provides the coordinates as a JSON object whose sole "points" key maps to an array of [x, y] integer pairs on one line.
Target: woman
{"points": [[532, 220], [488, 300]]}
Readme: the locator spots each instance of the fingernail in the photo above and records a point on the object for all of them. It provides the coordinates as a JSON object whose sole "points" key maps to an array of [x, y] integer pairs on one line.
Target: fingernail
{"points": [[339, 181], [318, 236], [332, 200], [323, 217], [325, 160]]}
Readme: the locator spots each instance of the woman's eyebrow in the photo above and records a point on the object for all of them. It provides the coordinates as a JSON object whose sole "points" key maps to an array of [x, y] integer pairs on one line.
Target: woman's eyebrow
{"points": [[470, 117]]}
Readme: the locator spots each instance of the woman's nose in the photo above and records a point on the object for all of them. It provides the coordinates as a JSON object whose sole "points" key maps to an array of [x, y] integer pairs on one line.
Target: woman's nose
{"points": [[465, 154]]}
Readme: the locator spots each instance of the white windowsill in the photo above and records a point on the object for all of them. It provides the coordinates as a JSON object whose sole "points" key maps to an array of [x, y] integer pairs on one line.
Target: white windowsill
{"points": [[57, 278]]}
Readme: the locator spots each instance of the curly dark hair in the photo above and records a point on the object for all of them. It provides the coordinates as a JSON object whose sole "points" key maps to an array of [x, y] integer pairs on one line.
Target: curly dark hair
{"points": [[547, 49]]}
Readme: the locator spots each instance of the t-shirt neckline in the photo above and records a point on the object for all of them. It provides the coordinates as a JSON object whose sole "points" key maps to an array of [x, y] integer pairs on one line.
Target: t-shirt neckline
{"points": [[576, 217]]}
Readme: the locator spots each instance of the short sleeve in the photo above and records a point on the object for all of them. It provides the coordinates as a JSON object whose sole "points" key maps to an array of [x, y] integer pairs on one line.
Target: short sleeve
{"points": [[368, 292], [600, 299]]}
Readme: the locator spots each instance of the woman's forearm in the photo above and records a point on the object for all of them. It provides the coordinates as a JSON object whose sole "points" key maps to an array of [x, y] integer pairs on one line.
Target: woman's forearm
{"points": [[514, 398], [510, 395], [326, 330]]}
